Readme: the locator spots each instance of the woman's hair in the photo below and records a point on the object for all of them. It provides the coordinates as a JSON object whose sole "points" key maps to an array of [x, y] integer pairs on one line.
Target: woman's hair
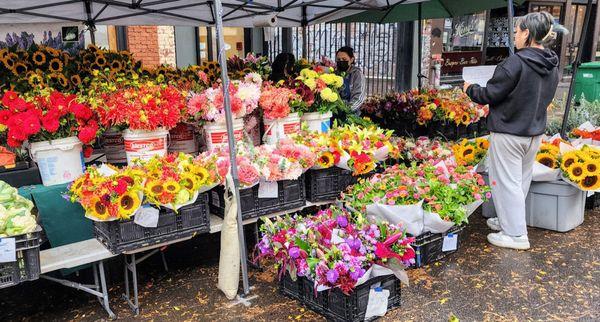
{"points": [[282, 63], [346, 49], [542, 28]]}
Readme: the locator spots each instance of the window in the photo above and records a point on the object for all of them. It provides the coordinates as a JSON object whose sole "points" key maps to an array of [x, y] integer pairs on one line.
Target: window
{"points": [[464, 33]]}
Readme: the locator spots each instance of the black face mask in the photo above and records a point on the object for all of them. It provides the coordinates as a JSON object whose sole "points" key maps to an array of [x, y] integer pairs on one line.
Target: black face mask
{"points": [[342, 65]]}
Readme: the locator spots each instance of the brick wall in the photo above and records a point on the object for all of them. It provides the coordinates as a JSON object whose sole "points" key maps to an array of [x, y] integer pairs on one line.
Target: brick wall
{"points": [[143, 44], [166, 45]]}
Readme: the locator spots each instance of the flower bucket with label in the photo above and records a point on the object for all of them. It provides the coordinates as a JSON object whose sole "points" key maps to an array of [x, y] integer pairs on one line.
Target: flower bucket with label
{"points": [[183, 139], [320, 122], [114, 147], [60, 161], [281, 128], [216, 133], [144, 144]]}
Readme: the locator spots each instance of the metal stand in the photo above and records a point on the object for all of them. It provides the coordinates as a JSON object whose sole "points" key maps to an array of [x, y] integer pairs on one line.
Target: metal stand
{"points": [[131, 266], [98, 289]]}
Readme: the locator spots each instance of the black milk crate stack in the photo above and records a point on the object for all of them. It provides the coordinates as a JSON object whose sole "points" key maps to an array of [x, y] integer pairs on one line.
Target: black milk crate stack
{"points": [[27, 266], [593, 201], [291, 195], [327, 184], [126, 235], [428, 246], [333, 304]]}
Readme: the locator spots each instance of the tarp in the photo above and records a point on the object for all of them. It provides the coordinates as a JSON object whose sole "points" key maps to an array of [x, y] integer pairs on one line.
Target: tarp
{"points": [[236, 13]]}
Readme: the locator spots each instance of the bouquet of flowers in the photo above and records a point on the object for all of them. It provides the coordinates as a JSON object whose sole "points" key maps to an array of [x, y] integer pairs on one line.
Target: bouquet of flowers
{"points": [[149, 107], [548, 155], [448, 106], [334, 248], [209, 104], [49, 115], [582, 168], [108, 193], [470, 152], [174, 180], [392, 109], [275, 165], [424, 149], [318, 90], [238, 67], [326, 152], [299, 153], [248, 171], [276, 102], [443, 191]]}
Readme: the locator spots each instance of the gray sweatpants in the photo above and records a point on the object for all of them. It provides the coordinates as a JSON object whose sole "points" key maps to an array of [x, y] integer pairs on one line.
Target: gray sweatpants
{"points": [[511, 168]]}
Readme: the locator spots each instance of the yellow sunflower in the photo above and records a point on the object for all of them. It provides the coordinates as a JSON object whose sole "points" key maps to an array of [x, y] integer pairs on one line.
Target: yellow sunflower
{"points": [[34, 79], [98, 209], [62, 80], [9, 63], [482, 143], [590, 182], [20, 68], [39, 58], [76, 80], [116, 65], [55, 65], [546, 159], [189, 181], [100, 60], [465, 119], [172, 186], [92, 48], [576, 172], [129, 202], [202, 174], [77, 186], [568, 159], [326, 160]]}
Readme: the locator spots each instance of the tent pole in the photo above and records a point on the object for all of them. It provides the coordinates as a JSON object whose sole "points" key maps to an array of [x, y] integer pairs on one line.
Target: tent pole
{"points": [[231, 140], [576, 63], [511, 32], [420, 49], [304, 33]]}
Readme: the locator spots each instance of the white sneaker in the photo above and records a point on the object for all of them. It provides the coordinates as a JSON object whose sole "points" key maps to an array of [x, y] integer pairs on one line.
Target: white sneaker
{"points": [[501, 240], [494, 224]]}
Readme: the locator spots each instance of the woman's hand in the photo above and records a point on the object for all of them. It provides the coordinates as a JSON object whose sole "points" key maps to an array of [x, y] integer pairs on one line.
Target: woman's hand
{"points": [[465, 86]]}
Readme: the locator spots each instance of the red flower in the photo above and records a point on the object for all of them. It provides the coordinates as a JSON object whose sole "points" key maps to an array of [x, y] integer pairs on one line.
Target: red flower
{"points": [[87, 151], [9, 97], [5, 116], [31, 124], [50, 122], [87, 134], [121, 186], [81, 111], [16, 134]]}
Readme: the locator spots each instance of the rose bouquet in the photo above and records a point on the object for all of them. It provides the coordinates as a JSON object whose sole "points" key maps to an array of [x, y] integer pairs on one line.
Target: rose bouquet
{"points": [[424, 149], [149, 107], [209, 104], [108, 193], [49, 115], [334, 248], [582, 167], [248, 171], [174, 180], [470, 152]]}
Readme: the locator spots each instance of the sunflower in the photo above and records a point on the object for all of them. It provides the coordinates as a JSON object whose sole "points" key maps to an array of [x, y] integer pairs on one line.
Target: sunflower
{"points": [[98, 209], [189, 182], [467, 151], [546, 159], [116, 65], [482, 143], [62, 80], [465, 119], [363, 167], [568, 159], [9, 63], [55, 65], [591, 167], [76, 80], [202, 174], [77, 186], [590, 182], [128, 203], [92, 48], [577, 172], [100, 60], [39, 58], [34, 79], [326, 160], [20, 68], [172, 186], [3, 53]]}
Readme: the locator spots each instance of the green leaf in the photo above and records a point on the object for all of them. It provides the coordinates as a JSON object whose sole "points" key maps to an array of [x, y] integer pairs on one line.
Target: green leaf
{"points": [[302, 244]]}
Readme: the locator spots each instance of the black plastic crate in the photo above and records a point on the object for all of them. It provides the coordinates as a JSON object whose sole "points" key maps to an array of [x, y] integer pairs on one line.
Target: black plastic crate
{"points": [[333, 304], [593, 201], [27, 266], [327, 184], [126, 235], [291, 195], [22, 177], [428, 246], [468, 132]]}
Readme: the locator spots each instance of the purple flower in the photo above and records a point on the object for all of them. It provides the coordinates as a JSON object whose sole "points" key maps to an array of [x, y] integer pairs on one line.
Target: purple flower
{"points": [[342, 221], [294, 252], [332, 276], [357, 273]]}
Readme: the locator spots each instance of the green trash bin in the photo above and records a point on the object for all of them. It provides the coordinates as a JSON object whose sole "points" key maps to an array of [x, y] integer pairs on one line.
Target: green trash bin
{"points": [[587, 82]]}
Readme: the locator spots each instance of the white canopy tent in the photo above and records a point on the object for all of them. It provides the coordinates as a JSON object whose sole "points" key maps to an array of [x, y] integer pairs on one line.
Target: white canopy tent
{"points": [[234, 13]]}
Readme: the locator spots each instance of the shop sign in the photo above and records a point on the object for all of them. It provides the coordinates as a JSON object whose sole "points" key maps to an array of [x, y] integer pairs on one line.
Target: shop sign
{"points": [[453, 62]]}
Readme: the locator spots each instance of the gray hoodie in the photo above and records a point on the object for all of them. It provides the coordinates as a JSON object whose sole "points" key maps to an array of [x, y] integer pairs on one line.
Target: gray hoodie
{"points": [[357, 94]]}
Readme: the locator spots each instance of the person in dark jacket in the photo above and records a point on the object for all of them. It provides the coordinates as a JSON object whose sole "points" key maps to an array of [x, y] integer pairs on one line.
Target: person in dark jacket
{"points": [[518, 95], [353, 92], [282, 67]]}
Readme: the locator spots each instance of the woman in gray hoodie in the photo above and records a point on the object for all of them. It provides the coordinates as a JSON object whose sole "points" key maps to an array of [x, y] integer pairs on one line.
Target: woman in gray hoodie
{"points": [[354, 92], [518, 94]]}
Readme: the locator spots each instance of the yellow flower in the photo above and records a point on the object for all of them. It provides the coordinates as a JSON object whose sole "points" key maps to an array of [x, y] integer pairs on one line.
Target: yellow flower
{"points": [[576, 172], [591, 167], [547, 159], [329, 95], [39, 58], [129, 202], [172, 186], [189, 182], [154, 188], [55, 65], [202, 174], [308, 73], [326, 160], [311, 83], [590, 182], [98, 209], [568, 159]]}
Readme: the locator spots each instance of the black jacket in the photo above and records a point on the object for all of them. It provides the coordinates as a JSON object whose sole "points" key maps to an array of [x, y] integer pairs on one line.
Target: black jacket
{"points": [[519, 93]]}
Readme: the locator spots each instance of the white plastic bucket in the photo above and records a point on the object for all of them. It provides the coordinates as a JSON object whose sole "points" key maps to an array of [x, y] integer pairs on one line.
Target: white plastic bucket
{"points": [[317, 121], [183, 139], [114, 147], [216, 133], [144, 144], [281, 128], [59, 161]]}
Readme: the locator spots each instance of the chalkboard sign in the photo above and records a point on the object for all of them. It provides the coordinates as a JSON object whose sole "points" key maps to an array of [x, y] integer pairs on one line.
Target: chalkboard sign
{"points": [[498, 33]]}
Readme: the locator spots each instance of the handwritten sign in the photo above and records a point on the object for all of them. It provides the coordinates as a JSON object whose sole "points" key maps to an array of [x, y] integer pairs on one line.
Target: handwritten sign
{"points": [[453, 62]]}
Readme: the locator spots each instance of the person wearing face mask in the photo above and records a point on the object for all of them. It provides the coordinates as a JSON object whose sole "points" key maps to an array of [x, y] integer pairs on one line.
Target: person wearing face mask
{"points": [[282, 67], [353, 92], [518, 94]]}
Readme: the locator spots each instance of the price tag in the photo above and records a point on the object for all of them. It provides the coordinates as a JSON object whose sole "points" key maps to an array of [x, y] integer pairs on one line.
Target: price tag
{"points": [[268, 189], [8, 251], [147, 216], [450, 243], [378, 302]]}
